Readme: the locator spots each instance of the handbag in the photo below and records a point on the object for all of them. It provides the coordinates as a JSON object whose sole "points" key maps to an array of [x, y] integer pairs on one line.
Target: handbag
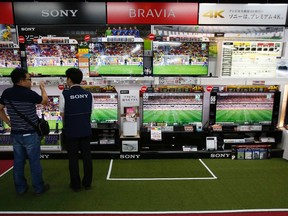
{"points": [[42, 127]]}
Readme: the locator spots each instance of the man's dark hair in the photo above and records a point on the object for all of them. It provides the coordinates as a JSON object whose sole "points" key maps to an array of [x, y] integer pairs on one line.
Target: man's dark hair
{"points": [[75, 75], [18, 74]]}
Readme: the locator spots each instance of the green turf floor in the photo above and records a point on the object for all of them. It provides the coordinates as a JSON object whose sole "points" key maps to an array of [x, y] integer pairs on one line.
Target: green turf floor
{"points": [[237, 184]]}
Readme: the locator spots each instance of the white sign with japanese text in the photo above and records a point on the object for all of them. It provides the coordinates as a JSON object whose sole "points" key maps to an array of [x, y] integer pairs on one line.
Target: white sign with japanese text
{"points": [[243, 14]]}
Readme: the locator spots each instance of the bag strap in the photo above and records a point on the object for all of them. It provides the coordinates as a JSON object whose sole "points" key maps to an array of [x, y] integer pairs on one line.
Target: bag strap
{"points": [[23, 116]]}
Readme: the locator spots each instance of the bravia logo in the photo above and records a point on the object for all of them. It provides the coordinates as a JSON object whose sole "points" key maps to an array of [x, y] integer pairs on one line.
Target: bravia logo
{"points": [[164, 13], [59, 13]]}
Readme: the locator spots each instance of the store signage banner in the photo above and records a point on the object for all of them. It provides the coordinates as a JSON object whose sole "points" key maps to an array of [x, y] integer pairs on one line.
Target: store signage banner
{"points": [[6, 13], [152, 13], [55, 13], [243, 14]]}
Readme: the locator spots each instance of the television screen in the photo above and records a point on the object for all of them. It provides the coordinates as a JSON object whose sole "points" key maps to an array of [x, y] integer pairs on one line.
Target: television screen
{"points": [[172, 108], [239, 108], [180, 58], [116, 59], [51, 59], [105, 108], [51, 112], [9, 59]]}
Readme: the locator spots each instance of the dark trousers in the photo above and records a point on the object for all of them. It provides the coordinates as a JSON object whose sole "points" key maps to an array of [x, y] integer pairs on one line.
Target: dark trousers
{"points": [[74, 146]]}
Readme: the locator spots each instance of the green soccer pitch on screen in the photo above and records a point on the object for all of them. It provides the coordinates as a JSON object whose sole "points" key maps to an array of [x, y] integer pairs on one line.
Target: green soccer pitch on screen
{"points": [[116, 59], [172, 108], [238, 108], [51, 59], [9, 59], [180, 58]]}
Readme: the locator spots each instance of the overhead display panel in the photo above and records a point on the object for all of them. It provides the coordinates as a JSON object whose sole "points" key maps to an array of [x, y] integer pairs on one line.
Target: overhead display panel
{"points": [[151, 13], [243, 14], [57, 13]]}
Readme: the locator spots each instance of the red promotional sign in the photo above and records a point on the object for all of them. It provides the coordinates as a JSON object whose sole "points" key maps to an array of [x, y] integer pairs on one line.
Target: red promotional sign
{"points": [[21, 39], [87, 38], [143, 88], [152, 13], [151, 36], [61, 87], [209, 88], [6, 12]]}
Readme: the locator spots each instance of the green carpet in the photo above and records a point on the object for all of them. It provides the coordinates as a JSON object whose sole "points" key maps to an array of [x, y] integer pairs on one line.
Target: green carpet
{"points": [[238, 184]]}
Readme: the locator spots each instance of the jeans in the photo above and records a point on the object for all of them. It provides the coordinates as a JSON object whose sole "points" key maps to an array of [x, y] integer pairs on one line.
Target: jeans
{"points": [[27, 146]]}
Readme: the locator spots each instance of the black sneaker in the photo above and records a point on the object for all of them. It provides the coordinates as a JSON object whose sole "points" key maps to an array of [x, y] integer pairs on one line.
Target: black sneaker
{"points": [[45, 189]]}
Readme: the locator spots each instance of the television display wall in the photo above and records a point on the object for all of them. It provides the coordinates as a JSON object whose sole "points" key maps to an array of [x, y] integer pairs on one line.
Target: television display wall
{"points": [[239, 108], [116, 58], [180, 58], [51, 59], [105, 108], [9, 59], [172, 108]]}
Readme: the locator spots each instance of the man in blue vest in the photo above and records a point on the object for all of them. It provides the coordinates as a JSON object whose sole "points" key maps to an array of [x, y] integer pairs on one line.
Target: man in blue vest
{"points": [[75, 108]]}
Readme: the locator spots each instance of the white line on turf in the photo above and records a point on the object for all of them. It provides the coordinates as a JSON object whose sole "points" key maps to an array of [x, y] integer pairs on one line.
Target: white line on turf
{"points": [[6, 172], [159, 179]]}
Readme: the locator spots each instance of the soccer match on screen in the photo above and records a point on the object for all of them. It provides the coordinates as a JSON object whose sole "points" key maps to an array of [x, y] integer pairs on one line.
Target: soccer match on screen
{"points": [[51, 59], [181, 109], [244, 108], [104, 108], [180, 58], [118, 58], [9, 59]]}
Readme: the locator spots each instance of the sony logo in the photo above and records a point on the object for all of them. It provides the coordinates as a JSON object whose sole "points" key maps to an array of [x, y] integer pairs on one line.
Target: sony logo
{"points": [[220, 155], [27, 28], [58, 13], [128, 156], [80, 96], [44, 156], [154, 13]]}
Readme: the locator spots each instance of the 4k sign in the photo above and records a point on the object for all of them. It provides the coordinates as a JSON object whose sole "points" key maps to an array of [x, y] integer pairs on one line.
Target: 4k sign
{"points": [[214, 14]]}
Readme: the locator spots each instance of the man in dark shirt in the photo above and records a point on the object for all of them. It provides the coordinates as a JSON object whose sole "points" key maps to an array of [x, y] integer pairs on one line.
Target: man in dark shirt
{"points": [[75, 108], [26, 141]]}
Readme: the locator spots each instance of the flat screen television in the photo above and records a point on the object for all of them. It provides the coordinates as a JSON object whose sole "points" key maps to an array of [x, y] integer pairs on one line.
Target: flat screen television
{"points": [[51, 112], [180, 58], [172, 108], [51, 59], [116, 58], [9, 59], [105, 108], [239, 108]]}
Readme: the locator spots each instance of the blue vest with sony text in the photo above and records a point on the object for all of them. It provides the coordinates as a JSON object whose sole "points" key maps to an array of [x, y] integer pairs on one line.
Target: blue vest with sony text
{"points": [[77, 112]]}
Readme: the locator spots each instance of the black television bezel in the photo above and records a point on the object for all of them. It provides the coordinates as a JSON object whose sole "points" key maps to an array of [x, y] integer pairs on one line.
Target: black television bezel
{"points": [[180, 74], [275, 109], [121, 75], [168, 93], [47, 75]]}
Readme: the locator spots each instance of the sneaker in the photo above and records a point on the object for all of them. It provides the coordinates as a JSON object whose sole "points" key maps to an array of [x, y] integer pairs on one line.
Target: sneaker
{"points": [[45, 189]]}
